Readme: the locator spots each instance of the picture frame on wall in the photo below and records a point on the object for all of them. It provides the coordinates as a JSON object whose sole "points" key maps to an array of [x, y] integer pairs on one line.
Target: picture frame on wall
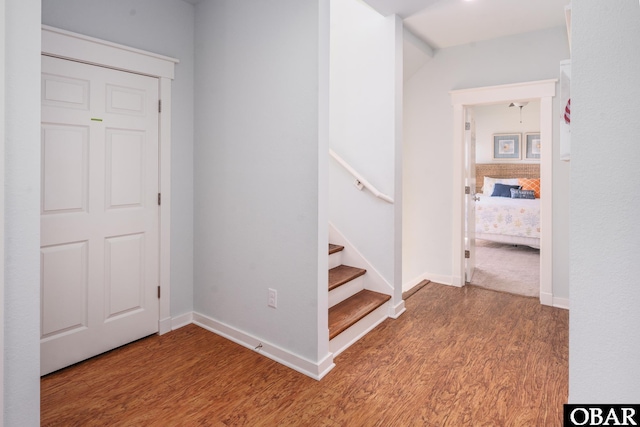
{"points": [[506, 146], [532, 151]]}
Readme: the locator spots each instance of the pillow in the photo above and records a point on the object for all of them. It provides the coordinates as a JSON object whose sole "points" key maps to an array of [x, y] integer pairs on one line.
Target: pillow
{"points": [[503, 190], [522, 194], [489, 183], [530, 184]]}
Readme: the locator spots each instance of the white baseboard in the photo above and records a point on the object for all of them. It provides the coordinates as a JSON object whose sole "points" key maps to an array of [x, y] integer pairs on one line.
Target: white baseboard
{"points": [[182, 320], [436, 278], [311, 369], [164, 326], [546, 299], [343, 341], [410, 284], [396, 310], [172, 323], [444, 280], [550, 300], [561, 303]]}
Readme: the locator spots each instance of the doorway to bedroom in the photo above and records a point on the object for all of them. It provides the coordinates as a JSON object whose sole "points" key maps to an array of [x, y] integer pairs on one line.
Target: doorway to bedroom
{"points": [[507, 225], [465, 99]]}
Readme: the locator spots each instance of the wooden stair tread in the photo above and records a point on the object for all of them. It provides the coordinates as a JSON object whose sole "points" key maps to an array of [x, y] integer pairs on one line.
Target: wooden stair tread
{"points": [[354, 308], [342, 274], [334, 248]]}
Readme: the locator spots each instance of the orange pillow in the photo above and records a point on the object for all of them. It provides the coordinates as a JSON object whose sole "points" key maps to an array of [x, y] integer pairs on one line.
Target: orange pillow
{"points": [[530, 184]]}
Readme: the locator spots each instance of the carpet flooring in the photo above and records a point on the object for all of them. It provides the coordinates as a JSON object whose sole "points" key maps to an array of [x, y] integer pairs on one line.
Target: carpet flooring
{"points": [[507, 268]]}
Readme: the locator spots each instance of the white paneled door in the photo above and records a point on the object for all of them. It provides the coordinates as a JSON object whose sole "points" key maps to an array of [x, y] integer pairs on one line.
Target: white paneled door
{"points": [[99, 210]]}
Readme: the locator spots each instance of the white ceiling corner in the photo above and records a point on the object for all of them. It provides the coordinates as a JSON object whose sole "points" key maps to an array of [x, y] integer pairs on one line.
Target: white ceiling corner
{"points": [[447, 23]]}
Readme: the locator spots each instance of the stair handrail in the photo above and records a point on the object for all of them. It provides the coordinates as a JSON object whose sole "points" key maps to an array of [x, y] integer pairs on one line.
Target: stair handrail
{"points": [[360, 181]]}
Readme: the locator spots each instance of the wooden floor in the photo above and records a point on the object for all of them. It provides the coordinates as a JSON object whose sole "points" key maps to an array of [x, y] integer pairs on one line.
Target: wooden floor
{"points": [[457, 357]]}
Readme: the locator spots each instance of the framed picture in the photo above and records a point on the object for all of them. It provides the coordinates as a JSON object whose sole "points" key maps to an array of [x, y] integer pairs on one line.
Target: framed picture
{"points": [[533, 145], [506, 146]]}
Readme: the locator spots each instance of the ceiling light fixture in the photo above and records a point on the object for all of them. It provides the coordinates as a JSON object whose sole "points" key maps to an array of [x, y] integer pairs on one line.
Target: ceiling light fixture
{"points": [[519, 104]]}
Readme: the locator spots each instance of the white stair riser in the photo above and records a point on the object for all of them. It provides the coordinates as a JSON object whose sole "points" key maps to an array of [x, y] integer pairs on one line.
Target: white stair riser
{"points": [[343, 292], [335, 259], [360, 329]]}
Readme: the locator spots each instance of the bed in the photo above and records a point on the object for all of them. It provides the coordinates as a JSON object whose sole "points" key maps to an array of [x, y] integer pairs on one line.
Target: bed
{"points": [[505, 219]]}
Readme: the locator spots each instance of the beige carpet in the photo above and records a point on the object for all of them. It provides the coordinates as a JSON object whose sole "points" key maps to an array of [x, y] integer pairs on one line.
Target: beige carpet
{"points": [[507, 268]]}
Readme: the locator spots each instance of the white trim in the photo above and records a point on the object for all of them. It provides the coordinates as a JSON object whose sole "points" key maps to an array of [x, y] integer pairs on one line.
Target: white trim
{"points": [[501, 93], [410, 284], [164, 326], [347, 338], [458, 196], [181, 321], [442, 279], [335, 259], [349, 289], [546, 298], [323, 183], [311, 369], [164, 187], [544, 90], [2, 130], [89, 50], [396, 306], [561, 303], [373, 280], [397, 310], [546, 188]]}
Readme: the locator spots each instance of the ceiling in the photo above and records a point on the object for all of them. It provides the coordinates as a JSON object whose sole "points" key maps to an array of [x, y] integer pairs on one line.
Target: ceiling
{"points": [[438, 24], [446, 23]]}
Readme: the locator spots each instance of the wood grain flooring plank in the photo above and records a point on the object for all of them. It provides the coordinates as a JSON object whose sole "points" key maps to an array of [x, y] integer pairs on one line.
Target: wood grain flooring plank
{"points": [[342, 274], [457, 357], [334, 248], [346, 313]]}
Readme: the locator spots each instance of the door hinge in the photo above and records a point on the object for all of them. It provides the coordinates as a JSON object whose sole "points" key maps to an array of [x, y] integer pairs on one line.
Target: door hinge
{"points": [[159, 105], [467, 125], [467, 254], [159, 199], [467, 189], [158, 292]]}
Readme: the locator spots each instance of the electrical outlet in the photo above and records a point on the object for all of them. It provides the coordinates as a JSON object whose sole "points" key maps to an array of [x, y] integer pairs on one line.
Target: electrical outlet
{"points": [[273, 298]]}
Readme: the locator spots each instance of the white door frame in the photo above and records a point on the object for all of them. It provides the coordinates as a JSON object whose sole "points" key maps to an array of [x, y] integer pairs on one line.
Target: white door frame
{"points": [[77, 47], [544, 90], [2, 112]]}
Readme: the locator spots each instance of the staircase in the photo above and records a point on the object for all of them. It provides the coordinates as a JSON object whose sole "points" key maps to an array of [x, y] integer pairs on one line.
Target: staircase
{"points": [[353, 310]]}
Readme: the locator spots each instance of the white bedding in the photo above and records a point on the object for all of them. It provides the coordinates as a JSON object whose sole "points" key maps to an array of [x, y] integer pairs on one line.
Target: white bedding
{"points": [[506, 220]]}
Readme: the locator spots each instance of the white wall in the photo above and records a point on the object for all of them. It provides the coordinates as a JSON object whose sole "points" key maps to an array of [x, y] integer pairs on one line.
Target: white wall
{"points": [[428, 151], [256, 171], [363, 126], [604, 346], [500, 118], [22, 214], [165, 27]]}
